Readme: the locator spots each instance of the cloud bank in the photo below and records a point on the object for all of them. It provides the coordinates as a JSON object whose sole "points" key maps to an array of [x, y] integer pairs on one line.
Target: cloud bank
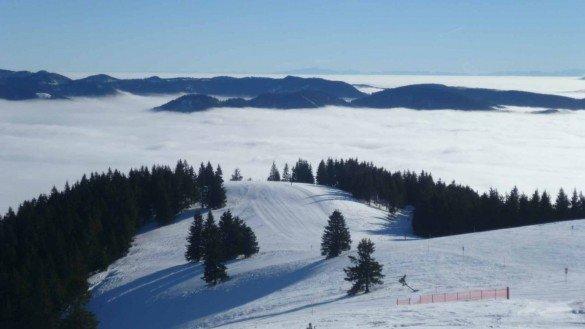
{"points": [[46, 143]]}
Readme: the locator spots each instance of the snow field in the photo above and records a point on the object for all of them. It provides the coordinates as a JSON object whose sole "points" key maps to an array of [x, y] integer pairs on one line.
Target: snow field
{"points": [[288, 284]]}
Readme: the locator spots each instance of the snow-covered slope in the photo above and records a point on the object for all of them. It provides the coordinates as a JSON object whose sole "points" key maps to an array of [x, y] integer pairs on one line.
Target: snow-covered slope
{"points": [[288, 284]]}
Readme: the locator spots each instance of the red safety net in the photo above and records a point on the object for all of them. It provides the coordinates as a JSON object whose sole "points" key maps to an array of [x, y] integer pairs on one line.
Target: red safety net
{"points": [[503, 293]]}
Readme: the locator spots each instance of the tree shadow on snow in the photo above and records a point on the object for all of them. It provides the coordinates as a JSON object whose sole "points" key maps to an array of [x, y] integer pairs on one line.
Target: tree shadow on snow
{"points": [[331, 195], [400, 226], [185, 214], [177, 295], [292, 310]]}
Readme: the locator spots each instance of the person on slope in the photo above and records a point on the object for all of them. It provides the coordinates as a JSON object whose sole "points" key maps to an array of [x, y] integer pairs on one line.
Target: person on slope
{"points": [[402, 281]]}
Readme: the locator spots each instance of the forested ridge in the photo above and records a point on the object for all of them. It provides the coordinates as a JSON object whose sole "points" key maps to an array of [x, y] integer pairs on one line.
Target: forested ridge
{"points": [[52, 244], [445, 209]]}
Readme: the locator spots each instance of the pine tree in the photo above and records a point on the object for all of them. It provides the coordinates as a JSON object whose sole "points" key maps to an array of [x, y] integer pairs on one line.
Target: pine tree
{"points": [[195, 241], [236, 176], [366, 270], [286, 173], [322, 174], [302, 172], [216, 193], [214, 270], [336, 237], [574, 213], [249, 245], [546, 211], [274, 175], [562, 205], [229, 232]]}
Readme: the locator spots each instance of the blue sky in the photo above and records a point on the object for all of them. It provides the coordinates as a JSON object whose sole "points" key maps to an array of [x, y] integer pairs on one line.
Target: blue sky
{"points": [[257, 36]]}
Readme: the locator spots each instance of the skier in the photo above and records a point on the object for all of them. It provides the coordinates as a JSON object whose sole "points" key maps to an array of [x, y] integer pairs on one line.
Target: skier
{"points": [[402, 281]]}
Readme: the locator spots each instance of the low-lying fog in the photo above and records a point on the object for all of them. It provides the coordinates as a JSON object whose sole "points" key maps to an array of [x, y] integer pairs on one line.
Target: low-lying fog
{"points": [[46, 143]]}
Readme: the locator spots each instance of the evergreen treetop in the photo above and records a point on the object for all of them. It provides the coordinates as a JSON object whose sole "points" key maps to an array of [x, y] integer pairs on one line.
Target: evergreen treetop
{"points": [[274, 175]]}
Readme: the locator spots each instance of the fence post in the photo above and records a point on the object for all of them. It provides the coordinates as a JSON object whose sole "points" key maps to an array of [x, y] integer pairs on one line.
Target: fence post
{"points": [[481, 294], [408, 300], [507, 292], [457, 295]]}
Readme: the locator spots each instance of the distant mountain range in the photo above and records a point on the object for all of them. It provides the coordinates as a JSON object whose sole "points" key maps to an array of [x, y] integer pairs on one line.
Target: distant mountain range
{"points": [[21, 85], [295, 100], [419, 97], [281, 93]]}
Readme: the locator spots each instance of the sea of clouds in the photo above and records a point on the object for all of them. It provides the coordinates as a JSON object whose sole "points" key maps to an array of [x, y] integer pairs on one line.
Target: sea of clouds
{"points": [[45, 143]]}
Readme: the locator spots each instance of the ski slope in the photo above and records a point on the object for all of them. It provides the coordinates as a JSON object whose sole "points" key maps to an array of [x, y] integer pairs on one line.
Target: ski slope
{"points": [[288, 284]]}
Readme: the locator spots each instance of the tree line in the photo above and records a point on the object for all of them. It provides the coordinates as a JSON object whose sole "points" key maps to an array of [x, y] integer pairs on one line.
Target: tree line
{"points": [[301, 172], [444, 209], [53, 243]]}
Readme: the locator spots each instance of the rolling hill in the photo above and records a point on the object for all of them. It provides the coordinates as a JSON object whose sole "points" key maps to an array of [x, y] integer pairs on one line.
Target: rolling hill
{"points": [[288, 284]]}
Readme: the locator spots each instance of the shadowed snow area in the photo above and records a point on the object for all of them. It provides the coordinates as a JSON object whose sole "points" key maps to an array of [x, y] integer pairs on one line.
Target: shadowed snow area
{"points": [[288, 284]]}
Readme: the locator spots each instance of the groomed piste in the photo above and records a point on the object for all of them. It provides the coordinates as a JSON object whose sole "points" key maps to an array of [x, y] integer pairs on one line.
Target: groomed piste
{"points": [[288, 284]]}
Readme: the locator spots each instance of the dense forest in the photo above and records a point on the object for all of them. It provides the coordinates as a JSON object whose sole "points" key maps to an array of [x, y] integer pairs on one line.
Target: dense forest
{"points": [[52, 244], [444, 209]]}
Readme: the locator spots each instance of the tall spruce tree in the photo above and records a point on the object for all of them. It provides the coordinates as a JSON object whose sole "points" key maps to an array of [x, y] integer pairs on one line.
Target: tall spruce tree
{"points": [[336, 237], [562, 205], [366, 270], [249, 244], [574, 212], [302, 172], [286, 173], [274, 175], [195, 241], [237, 238], [229, 230], [216, 193], [322, 174], [214, 270]]}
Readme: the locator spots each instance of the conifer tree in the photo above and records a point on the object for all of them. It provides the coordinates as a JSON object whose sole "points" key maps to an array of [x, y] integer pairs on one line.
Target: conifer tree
{"points": [[214, 270], [216, 197], [574, 213], [274, 175], [336, 237], [322, 177], [195, 241], [366, 270], [562, 205], [236, 176], [302, 172], [286, 173], [229, 232], [249, 245], [237, 238], [546, 209]]}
